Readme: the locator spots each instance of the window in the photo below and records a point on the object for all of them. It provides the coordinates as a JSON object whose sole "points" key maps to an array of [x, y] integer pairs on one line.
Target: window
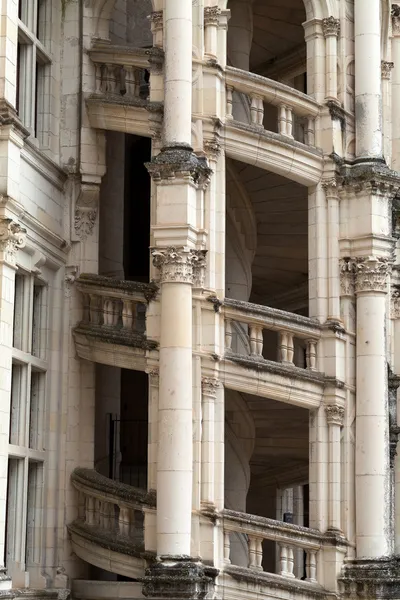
{"points": [[34, 63], [26, 438]]}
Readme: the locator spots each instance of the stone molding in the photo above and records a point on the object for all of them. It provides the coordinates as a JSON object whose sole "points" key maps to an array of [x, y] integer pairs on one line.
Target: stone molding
{"points": [[334, 415], [331, 26], [364, 274], [179, 265], [12, 238], [209, 386], [396, 20], [386, 68], [211, 15]]}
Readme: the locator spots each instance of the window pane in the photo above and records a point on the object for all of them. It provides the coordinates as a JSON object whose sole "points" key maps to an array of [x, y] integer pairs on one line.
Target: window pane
{"points": [[39, 320], [18, 311], [34, 513], [38, 382]]}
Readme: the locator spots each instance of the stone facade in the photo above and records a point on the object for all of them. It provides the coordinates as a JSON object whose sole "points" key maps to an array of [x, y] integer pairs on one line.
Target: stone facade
{"points": [[199, 299]]}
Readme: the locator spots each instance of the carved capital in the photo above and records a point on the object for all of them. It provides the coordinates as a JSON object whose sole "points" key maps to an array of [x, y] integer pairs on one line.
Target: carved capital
{"points": [[334, 415], [12, 238], [386, 69], [331, 26], [86, 209], [179, 162], [347, 283], [179, 265], [396, 19], [395, 305], [371, 273], [212, 148], [156, 20], [330, 187], [71, 274], [211, 15], [209, 386], [154, 376]]}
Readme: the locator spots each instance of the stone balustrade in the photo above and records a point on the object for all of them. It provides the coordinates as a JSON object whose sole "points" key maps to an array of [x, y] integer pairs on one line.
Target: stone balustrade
{"points": [[123, 71], [110, 508], [295, 336], [113, 304], [294, 113], [288, 538]]}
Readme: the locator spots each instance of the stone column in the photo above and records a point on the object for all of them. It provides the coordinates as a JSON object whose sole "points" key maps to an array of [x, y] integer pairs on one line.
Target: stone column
{"points": [[334, 417], [175, 453], [209, 394], [395, 113], [368, 102], [331, 29], [372, 440], [386, 69], [12, 237], [333, 236]]}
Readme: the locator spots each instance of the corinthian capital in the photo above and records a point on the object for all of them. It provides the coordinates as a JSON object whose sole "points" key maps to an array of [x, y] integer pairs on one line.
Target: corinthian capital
{"points": [[179, 265], [331, 26], [211, 15], [334, 415], [12, 237], [396, 19], [386, 69], [371, 273]]}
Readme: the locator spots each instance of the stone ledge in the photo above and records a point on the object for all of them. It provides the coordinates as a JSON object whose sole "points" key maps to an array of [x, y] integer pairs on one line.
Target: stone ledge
{"points": [[372, 578], [270, 366], [94, 480], [110, 540], [271, 580], [149, 290], [113, 335], [108, 98]]}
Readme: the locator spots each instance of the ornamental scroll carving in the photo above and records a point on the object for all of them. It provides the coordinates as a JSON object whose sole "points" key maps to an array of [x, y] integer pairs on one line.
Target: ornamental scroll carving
{"points": [[334, 415], [12, 238], [211, 15], [331, 26], [364, 274], [180, 265], [210, 386]]}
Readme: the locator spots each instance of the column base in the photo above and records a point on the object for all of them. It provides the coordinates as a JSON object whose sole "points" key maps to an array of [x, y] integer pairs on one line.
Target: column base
{"points": [[178, 577], [371, 578]]}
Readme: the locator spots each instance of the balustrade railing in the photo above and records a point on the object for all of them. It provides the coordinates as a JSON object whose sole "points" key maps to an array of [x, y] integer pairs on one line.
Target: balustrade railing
{"points": [[114, 304], [288, 538], [295, 112], [123, 71], [296, 336], [113, 508]]}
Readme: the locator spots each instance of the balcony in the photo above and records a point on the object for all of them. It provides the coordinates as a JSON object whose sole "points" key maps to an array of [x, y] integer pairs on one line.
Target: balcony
{"points": [[109, 530], [112, 330], [120, 101], [271, 353], [278, 132]]}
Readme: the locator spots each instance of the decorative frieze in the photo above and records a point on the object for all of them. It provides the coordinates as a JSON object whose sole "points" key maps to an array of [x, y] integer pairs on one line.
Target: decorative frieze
{"points": [[211, 15], [334, 415], [12, 238], [179, 265], [331, 26], [386, 68]]}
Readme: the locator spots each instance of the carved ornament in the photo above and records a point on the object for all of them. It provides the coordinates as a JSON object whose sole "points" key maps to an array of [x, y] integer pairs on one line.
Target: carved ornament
{"points": [[331, 26], [334, 415], [386, 69], [179, 265], [86, 209], [395, 305], [209, 386], [347, 283], [211, 15], [156, 19], [395, 19], [12, 238], [371, 273]]}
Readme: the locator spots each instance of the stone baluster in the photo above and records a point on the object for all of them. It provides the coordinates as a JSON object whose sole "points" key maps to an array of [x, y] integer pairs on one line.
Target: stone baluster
{"points": [[311, 566], [286, 346], [86, 308], [229, 102], [282, 119], [110, 315], [283, 560], [289, 122], [124, 520], [99, 78], [311, 355], [111, 83], [257, 110], [227, 547], [96, 310], [121, 79], [290, 562], [129, 314], [256, 340], [310, 132], [286, 561], [130, 81], [255, 552], [89, 510], [228, 335]]}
